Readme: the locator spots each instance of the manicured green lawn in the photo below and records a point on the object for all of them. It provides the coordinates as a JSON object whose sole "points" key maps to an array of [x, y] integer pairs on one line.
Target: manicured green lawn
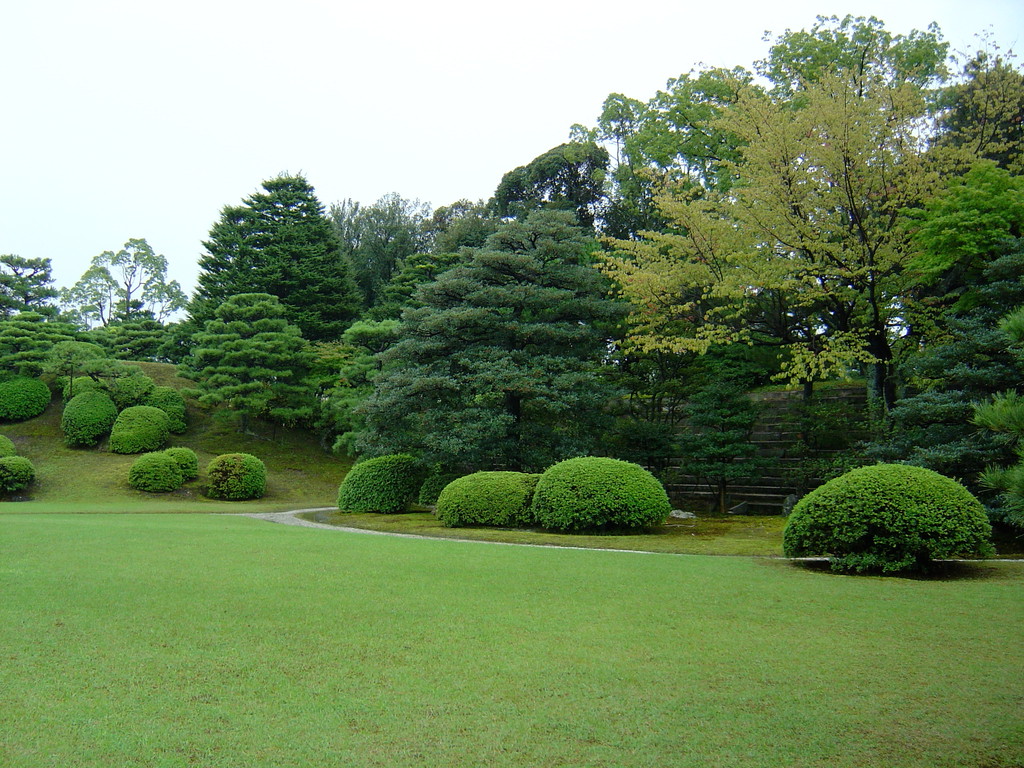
{"points": [[195, 640]]}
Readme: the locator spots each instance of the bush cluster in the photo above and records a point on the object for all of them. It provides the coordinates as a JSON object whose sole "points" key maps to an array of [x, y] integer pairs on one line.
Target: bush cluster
{"points": [[155, 473], [385, 484], [592, 493], [7, 447], [488, 498], [22, 398], [888, 518], [170, 401], [236, 477], [16, 474], [186, 460], [139, 429], [131, 390], [88, 418]]}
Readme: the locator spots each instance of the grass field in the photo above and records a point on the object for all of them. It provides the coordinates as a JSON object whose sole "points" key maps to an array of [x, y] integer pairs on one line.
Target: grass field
{"points": [[198, 640]]}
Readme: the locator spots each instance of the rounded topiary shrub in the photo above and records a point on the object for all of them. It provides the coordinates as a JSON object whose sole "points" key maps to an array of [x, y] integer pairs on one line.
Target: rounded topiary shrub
{"points": [[432, 486], [155, 473], [139, 429], [7, 447], [236, 477], [88, 418], [79, 384], [593, 492], [385, 484], [488, 498], [170, 401], [888, 518], [16, 474], [22, 398], [187, 462], [131, 390]]}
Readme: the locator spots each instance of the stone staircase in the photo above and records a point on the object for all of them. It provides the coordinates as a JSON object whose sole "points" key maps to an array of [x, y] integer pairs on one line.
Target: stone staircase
{"points": [[791, 455]]}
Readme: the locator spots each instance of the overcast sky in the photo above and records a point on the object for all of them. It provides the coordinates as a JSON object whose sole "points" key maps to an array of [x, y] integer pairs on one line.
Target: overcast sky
{"points": [[127, 119]]}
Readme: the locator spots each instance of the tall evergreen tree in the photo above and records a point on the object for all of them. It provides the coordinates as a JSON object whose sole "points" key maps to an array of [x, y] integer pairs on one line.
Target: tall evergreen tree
{"points": [[279, 242], [499, 367], [26, 285]]}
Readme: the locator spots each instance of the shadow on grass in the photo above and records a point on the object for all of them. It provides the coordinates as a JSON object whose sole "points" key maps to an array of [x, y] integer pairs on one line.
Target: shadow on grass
{"points": [[942, 570]]}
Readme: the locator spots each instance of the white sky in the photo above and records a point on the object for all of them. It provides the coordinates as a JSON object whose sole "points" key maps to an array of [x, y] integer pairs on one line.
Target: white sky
{"points": [[128, 118]]}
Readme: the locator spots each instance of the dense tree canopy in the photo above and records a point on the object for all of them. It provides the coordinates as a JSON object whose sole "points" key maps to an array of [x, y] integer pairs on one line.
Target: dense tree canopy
{"points": [[26, 285]]}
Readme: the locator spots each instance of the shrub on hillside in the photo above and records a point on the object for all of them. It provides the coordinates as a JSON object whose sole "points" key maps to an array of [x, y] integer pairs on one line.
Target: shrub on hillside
{"points": [[155, 473], [432, 486], [22, 398], [16, 474], [70, 387], [170, 401], [593, 492], [7, 447], [385, 484], [132, 389], [888, 518], [139, 429], [236, 477], [186, 460], [88, 418], [488, 498]]}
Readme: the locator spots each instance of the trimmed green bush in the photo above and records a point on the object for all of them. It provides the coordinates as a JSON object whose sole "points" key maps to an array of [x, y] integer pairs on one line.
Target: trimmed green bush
{"points": [[22, 398], [593, 492], [186, 460], [139, 429], [7, 447], [131, 390], [155, 473], [432, 487], [888, 518], [236, 477], [385, 484], [170, 401], [70, 388], [16, 473], [88, 418], [488, 498]]}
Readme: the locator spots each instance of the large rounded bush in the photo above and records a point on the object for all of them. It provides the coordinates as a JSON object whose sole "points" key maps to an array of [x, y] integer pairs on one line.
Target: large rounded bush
{"points": [[88, 418], [236, 477], [139, 429], [385, 484], [170, 401], [155, 473], [16, 474], [186, 460], [7, 447], [593, 492], [888, 518], [22, 398], [488, 498]]}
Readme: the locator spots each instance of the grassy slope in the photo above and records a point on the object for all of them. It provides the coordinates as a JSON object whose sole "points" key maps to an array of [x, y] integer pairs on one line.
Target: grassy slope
{"points": [[218, 641], [94, 480]]}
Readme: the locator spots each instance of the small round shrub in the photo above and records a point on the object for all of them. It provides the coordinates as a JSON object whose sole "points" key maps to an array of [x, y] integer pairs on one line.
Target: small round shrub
{"points": [[170, 401], [593, 492], [385, 484], [187, 462], [76, 386], [16, 474], [139, 429], [432, 487], [155, 473], [888, 518], [488, 498], [7, 447], [22, 398], [236, 477], [88, 418], [131, 390]]}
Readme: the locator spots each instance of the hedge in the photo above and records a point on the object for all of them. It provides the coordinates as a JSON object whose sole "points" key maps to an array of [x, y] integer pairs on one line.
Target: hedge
{"points": [[186, 460], [139, 429], [7, 447], [488, 498], [16, 473], [236, 477], [88, 418], [155, 473], [592, 492], [432, 487], [888, 518], [22, 398], [170, 401], [385, 484]]}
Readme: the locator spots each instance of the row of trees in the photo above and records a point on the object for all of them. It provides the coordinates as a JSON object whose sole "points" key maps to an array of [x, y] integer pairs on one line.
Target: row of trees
{"points": [[848, 207]]}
